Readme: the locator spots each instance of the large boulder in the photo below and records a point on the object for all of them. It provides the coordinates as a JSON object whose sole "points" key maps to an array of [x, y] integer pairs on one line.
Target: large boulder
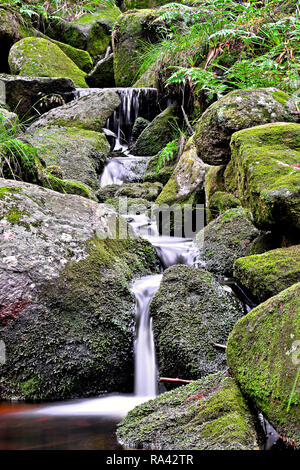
{"points": [[38, 57], [220, 202], [79, 153], [265, 164], [102, 75], [157, 134], [263, 356], [147, 191], [81, 58], [186, 184], [209, 414], [90, 32], [226, 239], [190, 311], [238, 110], [89, 112], [265, 275], [26, 94], [66, 310]]}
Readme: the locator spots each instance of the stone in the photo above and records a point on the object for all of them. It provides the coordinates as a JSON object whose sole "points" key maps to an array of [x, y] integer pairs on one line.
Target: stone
{"points": [[11, 31], [219, 203], [163, 174], [238, 110], [190, 311], [79, 153], [226, 239], [263, 356], [23, 94], [157, 134], [102, 75], [89, 112], [8, 120], [139, 125], [265, 164], [267, 274], [38, 57], [208, 414], [67, 313]]}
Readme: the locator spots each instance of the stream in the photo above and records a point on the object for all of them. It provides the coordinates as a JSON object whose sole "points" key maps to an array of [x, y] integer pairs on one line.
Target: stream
{"points": [[91, 423]]}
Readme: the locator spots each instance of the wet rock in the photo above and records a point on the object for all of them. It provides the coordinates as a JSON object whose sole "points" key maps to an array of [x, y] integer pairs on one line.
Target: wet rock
{"points": [[209, 414], [79, 153], [157, 134], [38, 57], [102, 74], [189, 312], [139, 125], [89, 112], [226, 239], [67, 312], [265, 165], [267, 274], [162, 175], [22, 94], [238, 110], [263, 356]]}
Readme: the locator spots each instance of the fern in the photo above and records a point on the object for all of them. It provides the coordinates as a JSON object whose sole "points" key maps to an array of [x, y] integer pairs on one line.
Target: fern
{"points": [[167, 154]]}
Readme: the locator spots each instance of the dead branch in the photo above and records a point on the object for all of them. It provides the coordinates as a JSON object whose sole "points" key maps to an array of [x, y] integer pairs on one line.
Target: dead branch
{"points": [[218, 346], [167, 379]]}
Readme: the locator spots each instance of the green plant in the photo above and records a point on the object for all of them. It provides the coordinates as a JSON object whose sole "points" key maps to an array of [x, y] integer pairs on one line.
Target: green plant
{"points": [[167, 154]]}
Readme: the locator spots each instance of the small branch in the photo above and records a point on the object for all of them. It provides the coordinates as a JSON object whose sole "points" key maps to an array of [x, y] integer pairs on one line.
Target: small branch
{"points": [[167, 379], [218, 346], [191, 130]]}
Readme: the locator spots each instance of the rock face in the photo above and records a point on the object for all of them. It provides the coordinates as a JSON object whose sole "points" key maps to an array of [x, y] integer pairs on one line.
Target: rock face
{"points": [[189, 311], [66, 311], [91, 32], [89, 112], [263, 356], [238, 110], [267, 274], [209, 414], [265, 162], [81, 58], [226, 239], [38, 57], [219, 203], [156, 136], [102, 74], [23, 93], [186, 184], [80, 154]]}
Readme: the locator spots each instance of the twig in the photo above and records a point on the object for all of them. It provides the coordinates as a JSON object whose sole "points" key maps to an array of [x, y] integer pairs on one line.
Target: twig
{"points": [[191, 130], [167, 379], [218, 346]]}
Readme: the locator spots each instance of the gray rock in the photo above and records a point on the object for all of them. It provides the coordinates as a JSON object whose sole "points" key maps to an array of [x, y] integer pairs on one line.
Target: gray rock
{"points": [[238, 110], [102, 74], [139, 125], [66, 309]]}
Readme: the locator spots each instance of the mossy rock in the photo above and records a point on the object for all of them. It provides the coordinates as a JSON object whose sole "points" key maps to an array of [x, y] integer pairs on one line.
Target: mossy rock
{"points": [[161, 176], [265, 162], [89, 112], [81, 58], [238, 110], [157, 134], [139, 125], [267, 274], [189, 312], [68, 329], [214, 181], [141, 4], [8, 121], [219, 203], [38, 57], [208, 414], [80, 153], [102, 75], [226, 239], [263, 356]]}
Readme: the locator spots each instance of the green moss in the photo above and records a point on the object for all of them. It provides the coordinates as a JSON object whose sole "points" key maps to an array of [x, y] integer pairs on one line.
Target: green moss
{"points": [[281, 97], [30, 387], [169, 193], [219, 203], [39, 57]]}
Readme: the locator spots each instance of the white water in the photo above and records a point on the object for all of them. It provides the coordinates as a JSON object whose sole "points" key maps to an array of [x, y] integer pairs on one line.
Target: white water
{"points": [[121, 170]]}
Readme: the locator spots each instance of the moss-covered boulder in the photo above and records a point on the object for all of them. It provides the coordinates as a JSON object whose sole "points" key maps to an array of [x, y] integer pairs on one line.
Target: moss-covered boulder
{"points": [[90, 32], [141, 4], [265, 161], [8, 120], [267, 274], [214, 181], [134, 30], [38, 57], [67, 312], [219, 203], [79, 153], [190, 311], [147, 191], [139, 125], [89, 112], [209, 414], [157, 134], [186, 184], [238, 110], [81, 58], [226, 239], [263, 356], [32, 96], [102, 75], [162, 175]]}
